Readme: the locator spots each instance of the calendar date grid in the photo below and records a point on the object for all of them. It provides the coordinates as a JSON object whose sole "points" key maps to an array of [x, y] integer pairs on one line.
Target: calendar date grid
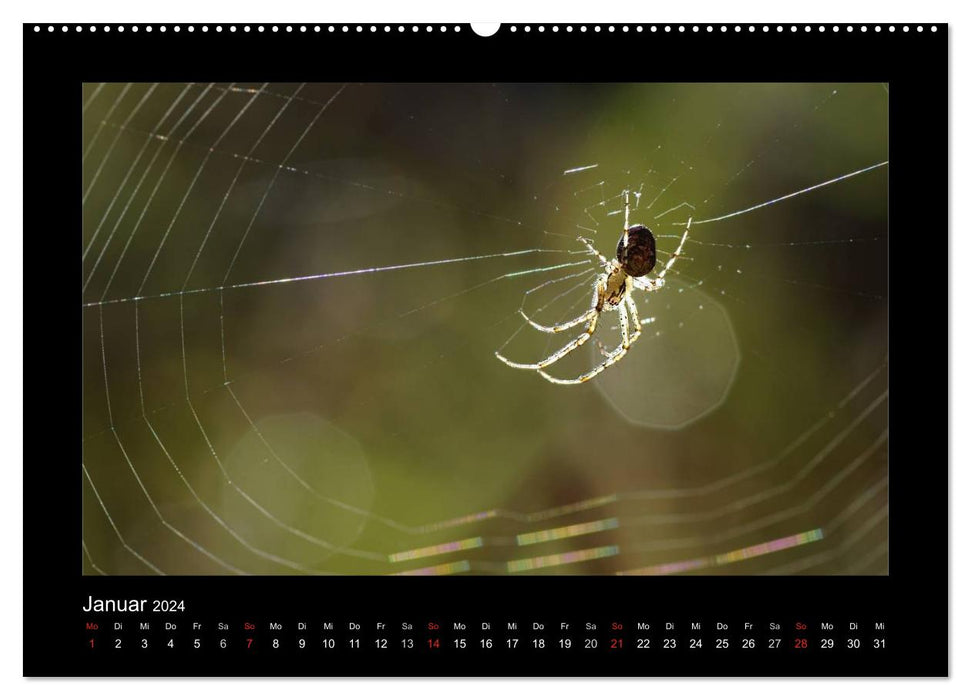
{"points": [[438, 636]]}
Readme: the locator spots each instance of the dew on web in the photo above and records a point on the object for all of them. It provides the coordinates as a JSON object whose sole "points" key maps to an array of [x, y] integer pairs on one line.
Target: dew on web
{"points": [[292, 295]]}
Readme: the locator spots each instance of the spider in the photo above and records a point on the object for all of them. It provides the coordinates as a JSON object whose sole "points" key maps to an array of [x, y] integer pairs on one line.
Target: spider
{"points": [[636, 257]]}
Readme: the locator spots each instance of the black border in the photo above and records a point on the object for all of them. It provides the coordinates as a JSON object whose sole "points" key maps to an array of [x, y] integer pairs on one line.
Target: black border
{"points": [[913, 600]]}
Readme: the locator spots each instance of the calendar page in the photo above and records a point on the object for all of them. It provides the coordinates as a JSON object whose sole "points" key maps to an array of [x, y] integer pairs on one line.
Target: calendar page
{"points": [[536, 349]]}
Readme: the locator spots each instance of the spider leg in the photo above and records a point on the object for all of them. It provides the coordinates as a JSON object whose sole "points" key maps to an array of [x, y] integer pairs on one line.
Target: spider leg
{"points": [[632, 308], [592, 314], [611, 358], [589, 244], [626, 214], [559, 354], [634, 317], [677, 252], [585, 316]]}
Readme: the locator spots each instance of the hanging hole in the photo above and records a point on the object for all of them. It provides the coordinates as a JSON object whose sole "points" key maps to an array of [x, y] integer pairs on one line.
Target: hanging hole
{"points": [[485, 28]]}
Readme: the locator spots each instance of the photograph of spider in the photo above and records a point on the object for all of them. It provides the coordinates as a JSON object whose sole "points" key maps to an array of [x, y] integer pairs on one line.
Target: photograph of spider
{"points": [[612, 291], [290, 335]]}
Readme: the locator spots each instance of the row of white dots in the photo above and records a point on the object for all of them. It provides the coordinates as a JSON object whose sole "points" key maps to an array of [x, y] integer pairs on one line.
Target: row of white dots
{"points": [[247, 28], [513, 28], [726, 28]]}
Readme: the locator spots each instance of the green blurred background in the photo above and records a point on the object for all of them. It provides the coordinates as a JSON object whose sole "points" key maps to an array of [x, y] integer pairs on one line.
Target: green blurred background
{"points": [[361, 423]]}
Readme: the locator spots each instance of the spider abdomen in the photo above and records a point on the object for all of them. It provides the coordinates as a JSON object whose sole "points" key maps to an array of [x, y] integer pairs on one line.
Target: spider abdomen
{"points": [[639, 256]]}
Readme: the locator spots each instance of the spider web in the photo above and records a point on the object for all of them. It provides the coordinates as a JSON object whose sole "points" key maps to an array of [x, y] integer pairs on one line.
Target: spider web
{"points": [[292, 296]]}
